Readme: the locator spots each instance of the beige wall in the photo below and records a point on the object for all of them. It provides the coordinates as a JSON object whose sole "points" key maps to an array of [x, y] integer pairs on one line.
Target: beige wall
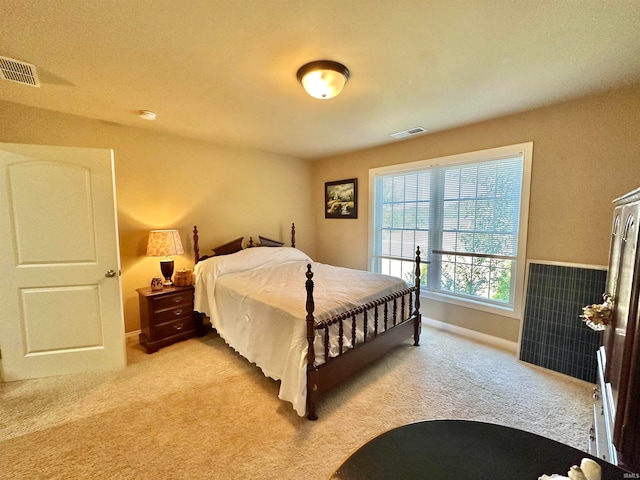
{"points": [[165, 181], [586, 153]]}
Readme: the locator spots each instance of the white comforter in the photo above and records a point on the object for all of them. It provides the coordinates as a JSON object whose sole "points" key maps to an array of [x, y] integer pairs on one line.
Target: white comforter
{"points": [[256, 299]]}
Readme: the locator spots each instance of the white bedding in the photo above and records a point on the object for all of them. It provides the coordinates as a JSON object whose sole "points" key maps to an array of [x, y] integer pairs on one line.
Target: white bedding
{"points": [[256, 299]]}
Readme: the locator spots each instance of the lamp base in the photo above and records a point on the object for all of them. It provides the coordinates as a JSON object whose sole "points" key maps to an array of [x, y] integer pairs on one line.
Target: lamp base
{"points": [[166, 267]]}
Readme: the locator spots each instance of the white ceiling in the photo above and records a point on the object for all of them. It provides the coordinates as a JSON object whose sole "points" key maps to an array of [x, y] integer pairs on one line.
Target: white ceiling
{"points": [[225, 71]]}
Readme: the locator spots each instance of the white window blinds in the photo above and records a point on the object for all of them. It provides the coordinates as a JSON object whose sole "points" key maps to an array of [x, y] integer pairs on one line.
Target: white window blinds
{"points": [[464, 215], [481, 208]]}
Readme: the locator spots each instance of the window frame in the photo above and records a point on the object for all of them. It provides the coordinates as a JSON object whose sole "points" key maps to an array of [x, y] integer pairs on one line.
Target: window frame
{"points": [[518, 281]]}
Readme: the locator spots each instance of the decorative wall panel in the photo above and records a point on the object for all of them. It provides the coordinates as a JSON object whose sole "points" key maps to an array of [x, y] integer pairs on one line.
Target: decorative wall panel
{"points": [[553, 334]]}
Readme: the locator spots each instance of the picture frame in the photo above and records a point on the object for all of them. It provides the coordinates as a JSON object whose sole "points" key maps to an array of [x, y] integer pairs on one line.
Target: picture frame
{"points": [[341, 199]]}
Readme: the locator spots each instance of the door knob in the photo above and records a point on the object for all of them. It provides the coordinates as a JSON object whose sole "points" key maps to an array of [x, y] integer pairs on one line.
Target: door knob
{"points": [[110, 273]]}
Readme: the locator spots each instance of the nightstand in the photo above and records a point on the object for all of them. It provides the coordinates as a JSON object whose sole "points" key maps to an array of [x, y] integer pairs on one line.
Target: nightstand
{"points": [[166, 316]]}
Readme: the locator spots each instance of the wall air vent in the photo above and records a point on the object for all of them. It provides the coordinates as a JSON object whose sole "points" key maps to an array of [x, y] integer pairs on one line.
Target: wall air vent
{"points": [[408, 133], [17, 71]]}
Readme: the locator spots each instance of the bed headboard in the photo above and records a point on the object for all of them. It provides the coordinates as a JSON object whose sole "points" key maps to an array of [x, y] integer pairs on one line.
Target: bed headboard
{"points": [[196, 243]]}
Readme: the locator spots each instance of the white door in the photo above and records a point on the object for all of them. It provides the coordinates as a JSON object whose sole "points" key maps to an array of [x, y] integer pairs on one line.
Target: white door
{"points": [[60, 301]]}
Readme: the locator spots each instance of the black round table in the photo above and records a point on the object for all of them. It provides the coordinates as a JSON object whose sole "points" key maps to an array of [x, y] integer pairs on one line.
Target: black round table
{"points": [[461, 450]]}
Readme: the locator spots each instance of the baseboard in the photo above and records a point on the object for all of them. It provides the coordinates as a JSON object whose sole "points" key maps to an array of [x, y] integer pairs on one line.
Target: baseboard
{"points": [[132, 337], [479, 336]]}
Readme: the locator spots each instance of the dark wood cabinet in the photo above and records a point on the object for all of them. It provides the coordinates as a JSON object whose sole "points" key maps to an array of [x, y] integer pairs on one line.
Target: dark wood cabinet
{"points": [[616, 429], [166, 316]]}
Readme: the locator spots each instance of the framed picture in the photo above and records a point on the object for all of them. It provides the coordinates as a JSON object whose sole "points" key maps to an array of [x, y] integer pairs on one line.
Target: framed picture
{"points": [[341, 199]]}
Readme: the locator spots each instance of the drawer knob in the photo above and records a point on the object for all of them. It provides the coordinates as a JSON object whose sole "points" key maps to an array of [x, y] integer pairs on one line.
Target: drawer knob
{"points": [[177, 299], [177, 312], [178, 326]]}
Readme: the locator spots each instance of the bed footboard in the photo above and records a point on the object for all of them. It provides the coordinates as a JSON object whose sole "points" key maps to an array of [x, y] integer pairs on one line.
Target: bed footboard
{"points": [[372, 329]]}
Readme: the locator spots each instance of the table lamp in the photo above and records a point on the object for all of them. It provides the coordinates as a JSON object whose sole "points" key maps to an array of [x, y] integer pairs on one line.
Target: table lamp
{"points": [[164, 243]]}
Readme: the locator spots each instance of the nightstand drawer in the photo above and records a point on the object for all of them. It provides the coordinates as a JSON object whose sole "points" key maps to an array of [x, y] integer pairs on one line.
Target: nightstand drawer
{"points": [[174, 327], [170, 314], [173, 300]]}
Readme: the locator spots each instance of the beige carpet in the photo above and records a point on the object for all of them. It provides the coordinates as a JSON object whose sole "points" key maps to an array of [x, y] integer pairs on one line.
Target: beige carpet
{"points": [[198, 410]]}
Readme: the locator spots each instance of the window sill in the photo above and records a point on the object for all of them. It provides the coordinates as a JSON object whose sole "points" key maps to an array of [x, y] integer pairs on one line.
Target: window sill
{"points": [[506, 311]]}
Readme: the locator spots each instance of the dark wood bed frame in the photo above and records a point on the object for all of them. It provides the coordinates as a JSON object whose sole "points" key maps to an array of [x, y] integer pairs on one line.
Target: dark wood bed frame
{"points": [[394, 320]]}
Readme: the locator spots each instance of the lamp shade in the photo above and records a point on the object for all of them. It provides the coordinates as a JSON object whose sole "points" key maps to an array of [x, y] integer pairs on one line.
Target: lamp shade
{"points": [[323, 78], [164, 243]]}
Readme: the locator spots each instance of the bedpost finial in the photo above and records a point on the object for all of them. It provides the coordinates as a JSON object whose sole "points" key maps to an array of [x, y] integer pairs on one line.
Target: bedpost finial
{"points": [[309, 273]]}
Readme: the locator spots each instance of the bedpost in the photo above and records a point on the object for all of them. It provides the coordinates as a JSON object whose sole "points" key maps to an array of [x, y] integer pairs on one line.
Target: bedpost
{"points": [[312, 381], [293, 234], [416, 312], [196, 245]]}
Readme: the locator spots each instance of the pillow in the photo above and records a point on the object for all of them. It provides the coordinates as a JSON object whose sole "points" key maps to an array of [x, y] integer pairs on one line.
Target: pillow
{"points": [[267, 242], [247, 259], [230, 247]]}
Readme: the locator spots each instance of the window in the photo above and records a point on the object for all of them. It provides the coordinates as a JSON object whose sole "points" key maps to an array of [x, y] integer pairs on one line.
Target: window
{"points": [[468, 214]]}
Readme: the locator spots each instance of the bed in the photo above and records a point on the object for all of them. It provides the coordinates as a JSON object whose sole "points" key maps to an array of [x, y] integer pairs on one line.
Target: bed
{"points": [[304, 323]]}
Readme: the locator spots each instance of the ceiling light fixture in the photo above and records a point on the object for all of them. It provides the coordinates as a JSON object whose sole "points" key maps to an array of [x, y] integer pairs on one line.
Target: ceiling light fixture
{"points": [[323, 78], [147, 115]]}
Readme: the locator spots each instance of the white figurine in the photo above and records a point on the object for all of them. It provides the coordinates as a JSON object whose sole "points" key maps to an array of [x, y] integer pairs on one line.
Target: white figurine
{"points": [[588, 470], [576, 473], [591, 469]]}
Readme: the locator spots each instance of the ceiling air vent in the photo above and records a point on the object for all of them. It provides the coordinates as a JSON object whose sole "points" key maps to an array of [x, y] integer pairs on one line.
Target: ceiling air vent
{"points": [[17, 71], [408, 133]]}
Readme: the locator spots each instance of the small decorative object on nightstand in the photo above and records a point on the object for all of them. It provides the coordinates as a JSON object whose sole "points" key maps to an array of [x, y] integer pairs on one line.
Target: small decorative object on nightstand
{"points": [[167, 317], [157, 284]]}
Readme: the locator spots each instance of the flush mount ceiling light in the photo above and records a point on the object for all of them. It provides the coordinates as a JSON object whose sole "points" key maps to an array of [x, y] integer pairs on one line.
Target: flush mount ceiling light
{"points": [[323, 78]]}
